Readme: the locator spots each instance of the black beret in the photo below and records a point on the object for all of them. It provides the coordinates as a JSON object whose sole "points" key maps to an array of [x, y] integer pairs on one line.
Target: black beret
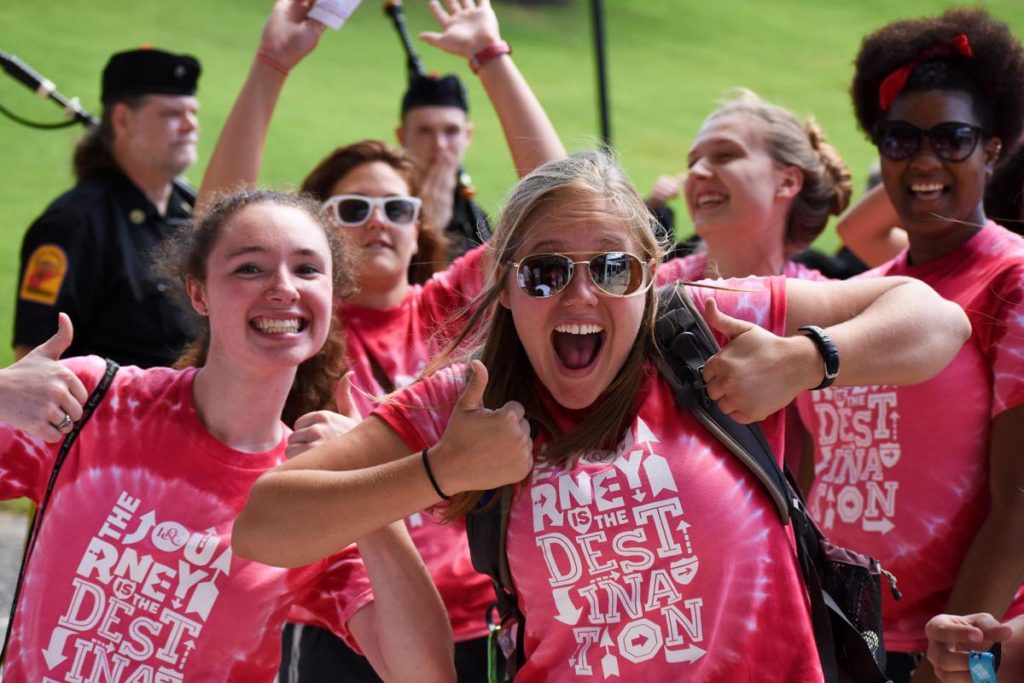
{"points": [[434, 91], [148, 72]]}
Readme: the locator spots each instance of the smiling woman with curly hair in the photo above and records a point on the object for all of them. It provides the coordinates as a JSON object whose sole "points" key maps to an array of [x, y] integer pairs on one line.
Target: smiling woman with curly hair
{"points": [[927, 479]]}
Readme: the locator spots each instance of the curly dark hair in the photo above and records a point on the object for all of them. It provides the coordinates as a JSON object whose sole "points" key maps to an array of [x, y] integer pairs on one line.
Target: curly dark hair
{"points": [[993, 77], [184, 255], [432, 246]]}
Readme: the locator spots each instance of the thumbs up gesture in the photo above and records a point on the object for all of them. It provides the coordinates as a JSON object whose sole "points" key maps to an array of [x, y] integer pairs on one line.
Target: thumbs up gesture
{"points": [[481, 448], [757, 372], [40, 396], [313, 429]]}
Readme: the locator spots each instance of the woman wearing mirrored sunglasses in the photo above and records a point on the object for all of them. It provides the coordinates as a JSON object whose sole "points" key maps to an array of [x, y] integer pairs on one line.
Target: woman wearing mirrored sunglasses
{"points": [[928, 479], [393, 323], [640, 547]]}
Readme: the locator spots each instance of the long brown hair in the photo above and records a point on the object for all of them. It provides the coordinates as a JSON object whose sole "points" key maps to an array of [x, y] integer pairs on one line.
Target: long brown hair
{"points": [[431, 255], [585, 176], [185, 255]]}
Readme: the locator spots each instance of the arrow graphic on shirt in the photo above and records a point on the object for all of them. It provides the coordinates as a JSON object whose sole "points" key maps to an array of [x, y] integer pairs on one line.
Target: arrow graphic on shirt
{"points": [[189, 646], [206, 593], [685, 528], [568, 613], [882, 526], [54, 652], [609, 663], [658, 474], [689, 654], [644, 433], [146, 523], [685, 569]]}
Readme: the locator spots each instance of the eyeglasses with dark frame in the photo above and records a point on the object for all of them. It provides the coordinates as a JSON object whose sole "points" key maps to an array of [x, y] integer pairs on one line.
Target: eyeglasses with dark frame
{"points": [[951, 140], [615, 273], [353, 210]]}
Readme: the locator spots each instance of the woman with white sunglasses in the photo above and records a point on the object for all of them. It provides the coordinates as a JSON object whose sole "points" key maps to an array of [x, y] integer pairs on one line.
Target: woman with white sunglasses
{"points": [[393, 322], [639, 546]]}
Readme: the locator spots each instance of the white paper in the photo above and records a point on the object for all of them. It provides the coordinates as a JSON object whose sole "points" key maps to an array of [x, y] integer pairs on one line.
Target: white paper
{"points": [[333, 13]]}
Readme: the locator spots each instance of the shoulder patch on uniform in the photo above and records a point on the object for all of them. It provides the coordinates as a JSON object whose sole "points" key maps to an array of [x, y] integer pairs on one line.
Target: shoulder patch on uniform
{"points": [[44, 275]]}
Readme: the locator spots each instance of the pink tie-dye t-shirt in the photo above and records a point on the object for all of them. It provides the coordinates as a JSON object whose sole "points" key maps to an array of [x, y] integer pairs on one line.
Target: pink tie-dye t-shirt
{"points": [[132, 578], [402, 340], [902, 472], [695, 266], [664, 560]]}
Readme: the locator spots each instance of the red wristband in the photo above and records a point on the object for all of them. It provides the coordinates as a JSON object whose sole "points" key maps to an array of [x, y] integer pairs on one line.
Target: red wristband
{"points": [[492, 51], [269, 61]]}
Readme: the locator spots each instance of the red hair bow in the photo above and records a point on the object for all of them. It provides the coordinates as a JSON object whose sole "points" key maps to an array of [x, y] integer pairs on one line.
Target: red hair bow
{"points": [[893, 84]]}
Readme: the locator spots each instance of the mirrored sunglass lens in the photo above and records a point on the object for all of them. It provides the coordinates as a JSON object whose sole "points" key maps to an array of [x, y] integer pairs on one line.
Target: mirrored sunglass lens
{"points": [[353, 210], [953, 141], [400, 211], [898, 141], [542, 276], [617, 273]]}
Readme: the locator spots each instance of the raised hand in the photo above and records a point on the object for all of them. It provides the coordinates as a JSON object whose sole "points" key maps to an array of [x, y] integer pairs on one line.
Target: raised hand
{"points": [[666, 188], [438, 189], [482, 449], [40, 396], [313, 429], [951, 637], [758, 372], [467, 27], [288, 36]]}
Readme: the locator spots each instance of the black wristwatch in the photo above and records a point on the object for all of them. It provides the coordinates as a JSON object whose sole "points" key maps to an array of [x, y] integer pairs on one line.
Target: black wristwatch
{"points": [[829, 353]]}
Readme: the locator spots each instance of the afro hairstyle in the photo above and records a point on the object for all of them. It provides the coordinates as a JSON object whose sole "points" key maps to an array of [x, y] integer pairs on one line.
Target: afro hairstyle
{"points": [[993, 76]]}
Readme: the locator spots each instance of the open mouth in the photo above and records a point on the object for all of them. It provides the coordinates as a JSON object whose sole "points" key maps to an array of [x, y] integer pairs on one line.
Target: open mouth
{"points": [[577, 346], [278, 325], [709, 199], [928, 191]]}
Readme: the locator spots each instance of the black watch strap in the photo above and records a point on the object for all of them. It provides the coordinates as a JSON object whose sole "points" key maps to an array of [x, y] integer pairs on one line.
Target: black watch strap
{"points": [[829, 353]]}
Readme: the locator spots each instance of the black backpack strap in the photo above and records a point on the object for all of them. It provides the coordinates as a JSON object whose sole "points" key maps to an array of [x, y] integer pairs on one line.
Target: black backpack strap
{"points": [[87, 410], [486, 529], [685, 343]]}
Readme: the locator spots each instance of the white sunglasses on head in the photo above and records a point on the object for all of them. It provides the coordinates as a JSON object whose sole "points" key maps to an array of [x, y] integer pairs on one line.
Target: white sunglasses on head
{"points": [[353, 210]]}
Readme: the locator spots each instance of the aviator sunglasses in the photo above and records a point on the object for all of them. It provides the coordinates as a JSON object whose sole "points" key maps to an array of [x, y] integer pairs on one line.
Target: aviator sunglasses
{"points": [[951, 141], [616, 273], [353, 210]]}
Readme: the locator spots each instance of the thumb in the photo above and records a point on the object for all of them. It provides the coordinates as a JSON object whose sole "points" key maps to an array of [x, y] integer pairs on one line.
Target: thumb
{"points": [[53, 347], [473, 395], [343, 403], [432, 38], [722, 323]]}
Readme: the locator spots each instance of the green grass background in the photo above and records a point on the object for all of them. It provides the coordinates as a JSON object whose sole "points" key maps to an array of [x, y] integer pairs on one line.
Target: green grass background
{"points": [[669, 62]]}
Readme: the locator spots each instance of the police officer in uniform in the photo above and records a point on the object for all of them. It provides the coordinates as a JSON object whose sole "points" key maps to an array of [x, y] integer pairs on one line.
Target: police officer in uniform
{"points": [[435, 131], [89, 253]]}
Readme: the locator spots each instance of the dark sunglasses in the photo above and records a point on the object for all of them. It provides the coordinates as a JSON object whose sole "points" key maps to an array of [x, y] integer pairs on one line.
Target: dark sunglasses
{"points": [[353, 210], [951, 141], [616, 273]]}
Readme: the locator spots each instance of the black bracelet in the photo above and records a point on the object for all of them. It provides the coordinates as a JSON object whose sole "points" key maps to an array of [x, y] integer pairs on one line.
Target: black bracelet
{"points": [[829, 353], [430, 475]]}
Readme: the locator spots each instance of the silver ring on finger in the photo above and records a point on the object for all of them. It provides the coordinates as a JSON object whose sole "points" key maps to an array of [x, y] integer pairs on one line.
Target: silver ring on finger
{"points": [[64, 424]]}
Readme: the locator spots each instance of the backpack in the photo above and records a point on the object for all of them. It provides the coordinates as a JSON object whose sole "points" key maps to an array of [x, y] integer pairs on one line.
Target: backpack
{"points": [[844, 586]]}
